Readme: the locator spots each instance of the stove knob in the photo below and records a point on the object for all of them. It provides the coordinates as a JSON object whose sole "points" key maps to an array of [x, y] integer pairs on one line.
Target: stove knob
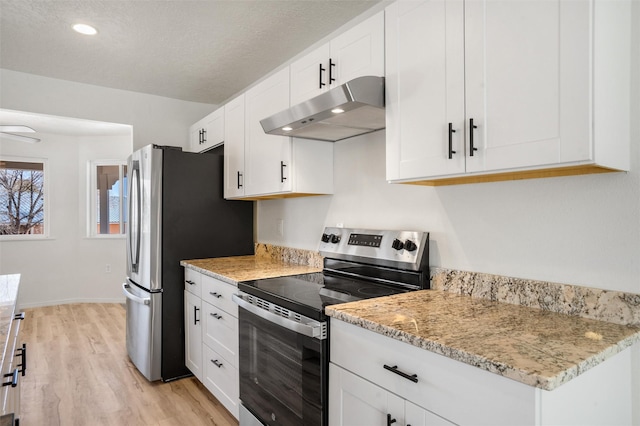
{"points": [[335, 239], [325, 238], [397, 244], [410, 245]]}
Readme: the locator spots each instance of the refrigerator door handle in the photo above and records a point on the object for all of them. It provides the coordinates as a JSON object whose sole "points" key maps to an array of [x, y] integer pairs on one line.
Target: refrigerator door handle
{"points": [[135, 211], [131, 296]]}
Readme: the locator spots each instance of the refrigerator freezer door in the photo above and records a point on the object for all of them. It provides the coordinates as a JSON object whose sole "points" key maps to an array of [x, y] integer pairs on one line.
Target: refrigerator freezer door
{"points": [[143, 329]]}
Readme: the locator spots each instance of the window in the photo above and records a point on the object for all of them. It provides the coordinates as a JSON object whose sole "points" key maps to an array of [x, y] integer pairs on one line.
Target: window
{"points": [[108, 198], [22, 197]]}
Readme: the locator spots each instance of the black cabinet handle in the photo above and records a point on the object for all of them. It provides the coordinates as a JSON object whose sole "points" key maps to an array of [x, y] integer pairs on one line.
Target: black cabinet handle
{"points": [[23, 354], [19, 316], [331, 65], [471, 147], [390, 421], [451, 132], [320, 78], [239, 176], [14, 379], [394, 369], [216, 295], [204, 136], [189, 282], [216, 316], [195, 315], [216, 363], [200, 136], [282, 177]]}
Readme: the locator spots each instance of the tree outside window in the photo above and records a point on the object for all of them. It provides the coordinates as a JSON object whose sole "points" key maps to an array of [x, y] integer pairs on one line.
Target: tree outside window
{"points": [[22, 197]]}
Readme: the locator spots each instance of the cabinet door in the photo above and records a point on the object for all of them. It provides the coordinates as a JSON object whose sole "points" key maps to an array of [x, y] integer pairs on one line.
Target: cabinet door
{"points": [[234, 148], [193, 334], [310, 75], [195, 136], [424, 88], [527, 82], [354, 401], [418, 416], [213, 125], [359, 51], [267, 157]]}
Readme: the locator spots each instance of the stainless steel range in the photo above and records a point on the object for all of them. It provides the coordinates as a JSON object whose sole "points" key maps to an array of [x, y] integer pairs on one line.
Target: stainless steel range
{"points": [[284, 354]]}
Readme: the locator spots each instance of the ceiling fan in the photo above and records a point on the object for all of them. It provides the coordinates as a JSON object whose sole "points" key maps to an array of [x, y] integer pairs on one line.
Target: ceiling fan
{"points": [[7, 130]]}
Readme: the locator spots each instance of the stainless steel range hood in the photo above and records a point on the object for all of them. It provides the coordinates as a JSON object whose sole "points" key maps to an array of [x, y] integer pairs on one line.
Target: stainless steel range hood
{"points": [[361, 101]]}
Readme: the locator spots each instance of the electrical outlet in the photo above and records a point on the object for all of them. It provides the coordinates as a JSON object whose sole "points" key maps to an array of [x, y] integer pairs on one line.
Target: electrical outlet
{"points": [[107, 269]]}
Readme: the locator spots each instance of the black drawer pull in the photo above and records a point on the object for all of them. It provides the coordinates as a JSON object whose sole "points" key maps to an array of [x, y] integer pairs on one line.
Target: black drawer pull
{"points": [[216, 316], [190, 282], [19, 316], [216, 295], [14, 378], [216, 363], [394, 369]]}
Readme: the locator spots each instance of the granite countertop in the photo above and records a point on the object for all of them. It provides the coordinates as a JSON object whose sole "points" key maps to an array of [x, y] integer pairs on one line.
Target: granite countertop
{"points": [[8, 296], [536, 347], [246, 268]]}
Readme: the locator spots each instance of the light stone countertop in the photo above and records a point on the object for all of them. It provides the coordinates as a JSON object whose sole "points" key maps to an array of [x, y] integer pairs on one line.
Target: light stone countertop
{"points": [[8, 297], [246, 268], [539, 348]]}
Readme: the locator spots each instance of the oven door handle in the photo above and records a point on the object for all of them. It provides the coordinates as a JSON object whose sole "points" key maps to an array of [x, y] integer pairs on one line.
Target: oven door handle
{"points": [[314, 330]]}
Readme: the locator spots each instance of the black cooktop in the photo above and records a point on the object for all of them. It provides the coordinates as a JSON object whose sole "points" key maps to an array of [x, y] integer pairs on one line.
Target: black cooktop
{"points": [[308, 294]]}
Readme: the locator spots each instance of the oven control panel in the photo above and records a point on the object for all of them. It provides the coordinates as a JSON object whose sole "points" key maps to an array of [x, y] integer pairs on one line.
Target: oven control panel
{"points": [[403, 249]]}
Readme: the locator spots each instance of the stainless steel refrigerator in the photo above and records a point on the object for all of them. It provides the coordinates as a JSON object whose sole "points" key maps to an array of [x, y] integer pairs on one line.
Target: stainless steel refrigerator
{"points": [[176, 211]]}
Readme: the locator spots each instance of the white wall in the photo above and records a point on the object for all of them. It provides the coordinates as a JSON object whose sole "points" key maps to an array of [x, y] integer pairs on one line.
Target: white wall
{"points": [[67, 266], [155, 119]]}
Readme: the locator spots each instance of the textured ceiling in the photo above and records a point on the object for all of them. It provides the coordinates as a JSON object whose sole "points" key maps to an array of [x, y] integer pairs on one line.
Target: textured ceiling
{"points": [[201, 51]]}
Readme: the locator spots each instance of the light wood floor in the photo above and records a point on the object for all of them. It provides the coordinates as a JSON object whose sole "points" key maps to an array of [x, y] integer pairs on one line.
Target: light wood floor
{"points": [[78, 373]]}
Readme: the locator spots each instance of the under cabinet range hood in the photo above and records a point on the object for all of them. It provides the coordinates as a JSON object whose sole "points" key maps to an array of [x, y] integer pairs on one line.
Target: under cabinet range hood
{"points": [[351, 109]]}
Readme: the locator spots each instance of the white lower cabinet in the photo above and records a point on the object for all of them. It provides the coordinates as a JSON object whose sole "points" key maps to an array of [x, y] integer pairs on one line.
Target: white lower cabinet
{"points": [[356, 401], [193, 333], [374, 379], [211, 324]]}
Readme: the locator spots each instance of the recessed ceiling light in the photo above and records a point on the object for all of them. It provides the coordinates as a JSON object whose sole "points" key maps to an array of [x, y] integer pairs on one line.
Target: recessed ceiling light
{"points": [[337, 110], [287, 129], [85, 29]]}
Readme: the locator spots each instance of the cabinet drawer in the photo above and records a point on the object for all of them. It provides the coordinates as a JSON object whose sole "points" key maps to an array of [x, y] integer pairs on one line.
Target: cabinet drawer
{"points": [[222, 381], [451, 389], [218, 293], [221, 332], [192, 281]]}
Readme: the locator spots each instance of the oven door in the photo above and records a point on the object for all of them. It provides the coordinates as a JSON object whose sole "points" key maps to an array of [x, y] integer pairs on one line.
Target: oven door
{"points": [[283, 373]]}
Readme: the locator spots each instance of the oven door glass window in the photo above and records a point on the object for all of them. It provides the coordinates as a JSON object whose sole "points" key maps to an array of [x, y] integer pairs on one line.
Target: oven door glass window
{"points": [[283, 375]]}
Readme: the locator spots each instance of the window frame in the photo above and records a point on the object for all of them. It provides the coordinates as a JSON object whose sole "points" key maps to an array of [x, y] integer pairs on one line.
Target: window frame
{"points": [[92, 193], [47, 195]]}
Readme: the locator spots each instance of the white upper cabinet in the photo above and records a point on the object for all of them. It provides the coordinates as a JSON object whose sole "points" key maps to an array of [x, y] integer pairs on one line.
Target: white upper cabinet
{"points": [[267, 157], [234, 148], [208, 132], [258, 165], [504, 88], [355, 53]]}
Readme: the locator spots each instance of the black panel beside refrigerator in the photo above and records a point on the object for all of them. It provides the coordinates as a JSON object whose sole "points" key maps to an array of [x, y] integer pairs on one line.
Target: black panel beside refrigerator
{"points": [[188, 219]]}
